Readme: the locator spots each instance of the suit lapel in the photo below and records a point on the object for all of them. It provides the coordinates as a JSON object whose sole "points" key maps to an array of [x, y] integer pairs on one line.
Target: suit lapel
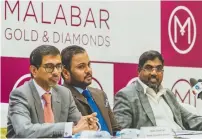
{"points": [[100, 104], [145, 103], [56, 105], [37, 102], [76, 94]]}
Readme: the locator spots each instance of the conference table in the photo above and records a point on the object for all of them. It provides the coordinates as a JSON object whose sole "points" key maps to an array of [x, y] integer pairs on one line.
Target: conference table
{"points": [[136, 134]]}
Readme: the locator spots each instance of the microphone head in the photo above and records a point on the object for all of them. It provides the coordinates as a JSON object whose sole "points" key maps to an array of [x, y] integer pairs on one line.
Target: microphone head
{"points": [[199, 80], [193, 81]]}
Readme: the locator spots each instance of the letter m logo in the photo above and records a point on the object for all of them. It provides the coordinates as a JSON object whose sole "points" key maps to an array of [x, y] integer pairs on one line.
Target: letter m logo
{"points": [[182, 28]]}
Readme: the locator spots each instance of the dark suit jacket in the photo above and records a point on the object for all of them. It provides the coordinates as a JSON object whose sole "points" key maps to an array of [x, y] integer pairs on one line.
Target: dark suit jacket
{"points": [[26, 115], [132, 109], [101, 100]]}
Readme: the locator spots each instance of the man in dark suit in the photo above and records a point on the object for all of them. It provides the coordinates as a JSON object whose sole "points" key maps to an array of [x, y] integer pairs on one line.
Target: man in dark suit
{"points": [[41, 107], [77, 75], [147, 103]]}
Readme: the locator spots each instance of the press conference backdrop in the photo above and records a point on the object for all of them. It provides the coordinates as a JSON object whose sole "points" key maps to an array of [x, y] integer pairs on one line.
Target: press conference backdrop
{"points": [[114, 34]]}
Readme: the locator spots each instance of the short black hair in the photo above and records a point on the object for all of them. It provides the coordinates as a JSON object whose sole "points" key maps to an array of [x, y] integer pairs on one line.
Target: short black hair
{"points": [[149, 55], [37, 54], [67, 54]]}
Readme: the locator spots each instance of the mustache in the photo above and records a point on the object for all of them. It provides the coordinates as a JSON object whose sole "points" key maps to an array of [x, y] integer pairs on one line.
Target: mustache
{"points": [[88, 74], [153, 76], [54, 75]]}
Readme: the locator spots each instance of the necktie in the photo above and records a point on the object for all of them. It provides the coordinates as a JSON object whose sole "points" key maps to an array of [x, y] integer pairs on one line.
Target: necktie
{"points": [[48, 113], [94, 108]]}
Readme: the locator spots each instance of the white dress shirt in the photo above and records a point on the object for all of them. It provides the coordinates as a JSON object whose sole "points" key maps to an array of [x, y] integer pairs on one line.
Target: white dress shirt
{"points": [[162, 112], [41, 91]]}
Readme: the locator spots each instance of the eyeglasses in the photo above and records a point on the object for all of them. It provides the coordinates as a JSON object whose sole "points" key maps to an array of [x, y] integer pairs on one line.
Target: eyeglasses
{"points": [[50, 67], [149, 68]]}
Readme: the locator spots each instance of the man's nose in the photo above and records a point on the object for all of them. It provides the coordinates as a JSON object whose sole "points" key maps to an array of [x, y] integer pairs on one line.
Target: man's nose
{"points": [[56, 71], [88, 69], [154, 71]]}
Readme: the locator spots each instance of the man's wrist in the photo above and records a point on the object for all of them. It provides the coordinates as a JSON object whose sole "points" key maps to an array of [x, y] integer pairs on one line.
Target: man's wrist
{"points": [[74, 130]]}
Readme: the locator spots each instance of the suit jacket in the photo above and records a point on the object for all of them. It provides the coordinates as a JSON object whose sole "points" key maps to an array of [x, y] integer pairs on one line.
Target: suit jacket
{"points": [[132, 109], [26, 115], [101, 100]]}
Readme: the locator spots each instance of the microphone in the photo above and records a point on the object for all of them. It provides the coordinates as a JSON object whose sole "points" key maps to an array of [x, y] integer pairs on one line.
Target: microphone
{"points": [[200, 94], [192, 81], [196, 87]]}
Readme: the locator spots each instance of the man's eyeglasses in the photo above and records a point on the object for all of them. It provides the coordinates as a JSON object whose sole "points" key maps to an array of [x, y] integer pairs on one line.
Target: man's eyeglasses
{"points": [[50, 67], [149, 68]]}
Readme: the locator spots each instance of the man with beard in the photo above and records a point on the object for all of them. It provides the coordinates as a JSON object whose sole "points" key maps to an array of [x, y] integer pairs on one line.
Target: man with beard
{"points": [[77, 75], [146, 103], [41, 107]]}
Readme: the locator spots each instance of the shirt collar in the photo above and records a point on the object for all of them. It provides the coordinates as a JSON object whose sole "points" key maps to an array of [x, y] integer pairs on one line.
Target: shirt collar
{"points": [[147, 89], [143, 85], [79, 89], [40, 90]]}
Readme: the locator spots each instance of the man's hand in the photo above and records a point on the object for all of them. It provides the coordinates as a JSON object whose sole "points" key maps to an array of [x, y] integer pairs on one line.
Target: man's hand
{"points": [[92, 121], [81, 126], [88, 122]]}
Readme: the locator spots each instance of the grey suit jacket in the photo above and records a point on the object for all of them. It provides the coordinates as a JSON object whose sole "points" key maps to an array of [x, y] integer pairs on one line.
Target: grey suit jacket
{"points": [[132, 109], [102, 102], [26, 115]]}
